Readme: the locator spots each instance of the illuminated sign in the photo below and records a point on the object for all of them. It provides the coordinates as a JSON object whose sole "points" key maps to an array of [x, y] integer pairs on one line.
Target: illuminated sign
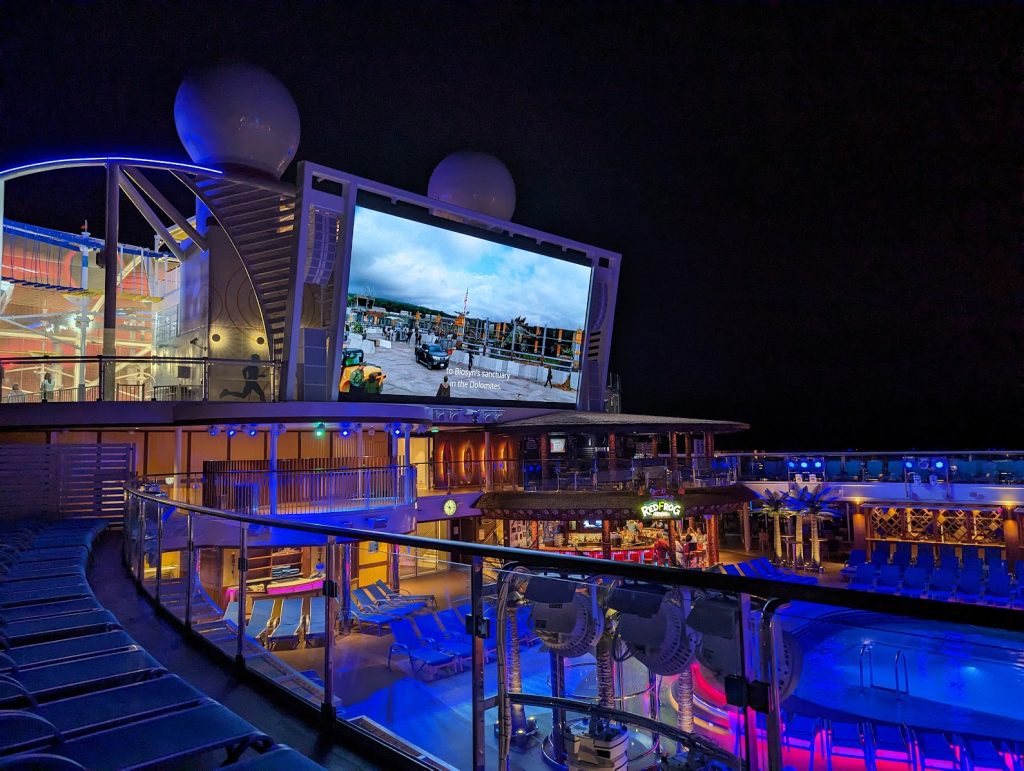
{"points": [[661, 510]]}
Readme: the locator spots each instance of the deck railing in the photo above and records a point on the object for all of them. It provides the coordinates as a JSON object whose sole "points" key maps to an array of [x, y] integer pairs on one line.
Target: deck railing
{"points": [[718, 704]]}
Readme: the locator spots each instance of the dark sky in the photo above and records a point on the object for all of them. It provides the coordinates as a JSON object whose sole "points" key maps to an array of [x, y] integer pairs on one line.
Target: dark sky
{"points": [[819, 206]]}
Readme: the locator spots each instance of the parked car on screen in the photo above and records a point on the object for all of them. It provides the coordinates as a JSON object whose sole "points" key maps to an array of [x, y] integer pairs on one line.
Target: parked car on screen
{"points": [[432, 355]]}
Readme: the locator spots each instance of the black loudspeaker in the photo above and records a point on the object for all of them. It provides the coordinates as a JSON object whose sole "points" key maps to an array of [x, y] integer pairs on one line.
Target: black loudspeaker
{"points": [[714, 618]]}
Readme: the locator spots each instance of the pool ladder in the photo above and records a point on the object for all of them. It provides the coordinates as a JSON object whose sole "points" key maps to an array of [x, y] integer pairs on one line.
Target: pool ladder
{"points": [[865, 650]]}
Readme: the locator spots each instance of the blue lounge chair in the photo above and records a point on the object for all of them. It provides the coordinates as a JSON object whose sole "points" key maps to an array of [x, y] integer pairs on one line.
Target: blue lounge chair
{"points": [[376, 617], [801, 732], [993, 555], [857, 558], [949, 562], [433, 633], [888, 742], [40, 654], [48, 609], [420, 654], [925, 558], [454, 623], [888, 580], [732, 570], [276, 759], [935, 751], [316, 627], [983, 754], [68, 678], [998, 590], [367, 603], [973, 564], [259, 618], [913, 582], [845, 741], [1018, 570], [36, 630], [880, 556], [381, 597], [287, 629], [968, 588], [942, 584], [403, 595], [864, 578]]}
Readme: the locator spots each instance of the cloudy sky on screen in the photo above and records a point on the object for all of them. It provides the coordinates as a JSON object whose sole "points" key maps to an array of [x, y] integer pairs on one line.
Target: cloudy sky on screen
{"points": [[398, 259]]}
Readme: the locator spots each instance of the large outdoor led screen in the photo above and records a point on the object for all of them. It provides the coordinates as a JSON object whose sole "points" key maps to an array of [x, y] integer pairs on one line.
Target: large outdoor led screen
{"points": [[426, 303]]}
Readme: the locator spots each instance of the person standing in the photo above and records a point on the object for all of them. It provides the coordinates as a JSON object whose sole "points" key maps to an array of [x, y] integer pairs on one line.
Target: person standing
{"points": [[551, 375], [470, 360], [444, 391], [46, 388], [17, 396]]}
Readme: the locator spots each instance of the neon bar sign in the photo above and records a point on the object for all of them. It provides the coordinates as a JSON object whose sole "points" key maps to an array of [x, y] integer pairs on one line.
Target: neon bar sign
{"points": [[661, 510]]}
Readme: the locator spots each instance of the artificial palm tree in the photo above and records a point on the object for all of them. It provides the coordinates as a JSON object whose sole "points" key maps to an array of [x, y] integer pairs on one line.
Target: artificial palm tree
{"points": [[815, 504], [776, 505]]}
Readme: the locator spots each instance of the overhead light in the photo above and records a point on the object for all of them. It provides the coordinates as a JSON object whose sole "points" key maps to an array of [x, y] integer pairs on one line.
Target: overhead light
{"points": [[252, 430], [320, 430], [214, 430], [231, 431]]}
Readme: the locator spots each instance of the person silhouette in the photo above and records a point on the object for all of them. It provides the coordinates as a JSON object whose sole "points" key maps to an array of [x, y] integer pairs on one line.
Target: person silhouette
{"points": [[250, 374]]}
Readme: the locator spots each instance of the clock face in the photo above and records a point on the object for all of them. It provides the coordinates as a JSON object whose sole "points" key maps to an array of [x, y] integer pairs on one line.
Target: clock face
{"points": [[450, 506]]}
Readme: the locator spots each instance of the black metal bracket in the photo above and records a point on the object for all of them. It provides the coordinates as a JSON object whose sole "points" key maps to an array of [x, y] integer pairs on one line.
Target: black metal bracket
{"points": [[330, 588], [743, 694], [478, 626], [243, 564]]}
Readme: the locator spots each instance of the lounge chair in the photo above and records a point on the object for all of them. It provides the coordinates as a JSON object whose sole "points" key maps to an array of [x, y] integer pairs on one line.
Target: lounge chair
{"points": [[68, 678], [316, 626], [28, 656], [998, 590], [420, 654], [434, 633], [969, 587], [942, 584], [913, 582], [880, 555], [48, 609], [888, 580], [803, 733], [367, 603], [287, 629], [887, 742], [857, 558], [925, 558], [381, 597], [404, 595], [259, 619], [935, 752], [376, 617], [276, 759], [732, 570], [864, 578], [845, 741], [973, 563], [902, 555], [1018, 570], [96, 711], [36, 630]]}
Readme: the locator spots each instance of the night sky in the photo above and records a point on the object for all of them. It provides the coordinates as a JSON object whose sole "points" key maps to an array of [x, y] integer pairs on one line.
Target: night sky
{"points": [[819, 206]]}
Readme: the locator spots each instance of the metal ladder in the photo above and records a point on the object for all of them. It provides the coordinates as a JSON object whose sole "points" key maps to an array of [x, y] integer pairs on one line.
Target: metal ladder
{"points": [[899, 658]]}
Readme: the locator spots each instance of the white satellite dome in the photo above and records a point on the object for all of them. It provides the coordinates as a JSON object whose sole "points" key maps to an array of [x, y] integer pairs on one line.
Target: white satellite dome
{"points": [[237, 115], [476, 181]]}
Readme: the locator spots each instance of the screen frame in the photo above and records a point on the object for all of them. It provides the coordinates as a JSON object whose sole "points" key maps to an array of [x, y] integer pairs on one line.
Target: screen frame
{"points": [[416, 213]]}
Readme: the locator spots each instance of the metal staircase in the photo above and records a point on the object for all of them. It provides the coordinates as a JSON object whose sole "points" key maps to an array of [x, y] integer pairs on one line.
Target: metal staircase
{"points": [[259, 218]]}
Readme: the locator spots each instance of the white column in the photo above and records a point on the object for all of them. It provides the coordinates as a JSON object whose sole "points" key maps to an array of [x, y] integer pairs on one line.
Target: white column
{"points": [[177, 463]]}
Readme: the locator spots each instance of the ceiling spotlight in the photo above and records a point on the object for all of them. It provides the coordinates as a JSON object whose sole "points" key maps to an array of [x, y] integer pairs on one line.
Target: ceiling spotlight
{"points": [[231, 431], [252, 430], [397, 431], [214, 430], [320, 430]]}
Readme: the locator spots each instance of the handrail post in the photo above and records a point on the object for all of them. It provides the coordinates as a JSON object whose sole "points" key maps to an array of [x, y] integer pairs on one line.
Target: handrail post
{"points": [[476, 592], [331, 613], [206, 379], [159, 552], [746, 654], [345, 588], [243, 571], [190, 563], [770, 644]]}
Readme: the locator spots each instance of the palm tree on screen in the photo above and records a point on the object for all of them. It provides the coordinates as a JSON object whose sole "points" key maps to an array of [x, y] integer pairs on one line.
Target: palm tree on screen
{"points": [[816, 504]]}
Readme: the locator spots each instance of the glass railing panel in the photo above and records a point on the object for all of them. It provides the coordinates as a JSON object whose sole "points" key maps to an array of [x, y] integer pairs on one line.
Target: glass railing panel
{"points": [[619, 648], [870, 690], [216, 578], [402, 666], [285, 607]]}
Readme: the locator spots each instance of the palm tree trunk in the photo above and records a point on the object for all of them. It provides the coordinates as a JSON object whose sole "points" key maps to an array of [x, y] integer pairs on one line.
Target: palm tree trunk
{"points": [[684, 700], [799, 550], [778, 536], [515, 672], [815, 543], [605, 676]]}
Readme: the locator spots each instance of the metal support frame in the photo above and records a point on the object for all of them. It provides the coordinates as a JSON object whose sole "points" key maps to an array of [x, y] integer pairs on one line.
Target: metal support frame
{"points": [[557, 664], [339, 305], [150, 216], [331, 612], [111, 230], [159, 553], [272, 481], [748, 672], [476, 592], [136, 176], [190, 545], [345, 588], [243, 573], [771, 643]]}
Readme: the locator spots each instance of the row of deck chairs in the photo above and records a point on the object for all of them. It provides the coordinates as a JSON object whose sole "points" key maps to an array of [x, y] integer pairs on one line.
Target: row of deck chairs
{"points": [[379, 605], [438, 642], [988, 560], [762, 568], [76, 691], [943, 584], [889, 745]]}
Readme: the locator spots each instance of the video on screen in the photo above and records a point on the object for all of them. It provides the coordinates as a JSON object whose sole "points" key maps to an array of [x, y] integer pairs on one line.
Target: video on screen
{"points": [[435, 314]]}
